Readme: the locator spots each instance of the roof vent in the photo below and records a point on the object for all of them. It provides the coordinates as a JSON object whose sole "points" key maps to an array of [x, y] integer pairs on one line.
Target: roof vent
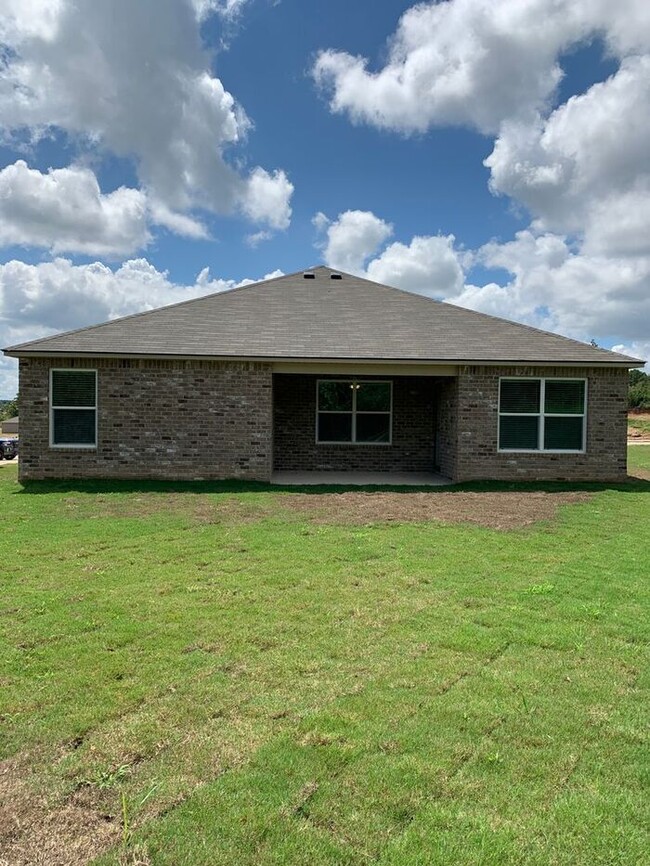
{"points": [[309, 275], [335, 277]]}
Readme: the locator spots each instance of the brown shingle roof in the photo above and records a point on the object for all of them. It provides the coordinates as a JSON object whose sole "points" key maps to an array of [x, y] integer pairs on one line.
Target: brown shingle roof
{"points": [[292, 317]]}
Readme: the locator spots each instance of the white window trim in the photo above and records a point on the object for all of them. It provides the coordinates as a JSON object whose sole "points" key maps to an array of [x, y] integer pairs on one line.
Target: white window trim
{"points": [[69, 446], [541, 415], [353, 412]]}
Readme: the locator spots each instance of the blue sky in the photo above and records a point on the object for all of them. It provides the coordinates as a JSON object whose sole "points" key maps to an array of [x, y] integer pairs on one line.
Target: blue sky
{"points": [[127, 167]]}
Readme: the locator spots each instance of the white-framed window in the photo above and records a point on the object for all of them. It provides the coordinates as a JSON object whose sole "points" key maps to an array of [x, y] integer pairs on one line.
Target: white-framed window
{"points": [[354, 411], [73, 408], [542, 414]]}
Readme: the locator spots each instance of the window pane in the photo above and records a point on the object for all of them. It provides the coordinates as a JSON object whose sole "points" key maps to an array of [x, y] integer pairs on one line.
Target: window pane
{"points": [[563, 433], [564, 397], [373, 397], [520, 395], [73, 387], [74, 427], [373, 428], [336, 427], [335, 396], [518, 431]]}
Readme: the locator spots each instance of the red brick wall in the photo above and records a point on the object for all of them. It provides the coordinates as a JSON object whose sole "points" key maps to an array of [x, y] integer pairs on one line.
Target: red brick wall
{"points": [[207, 419], [606, 453], [156, 419]]}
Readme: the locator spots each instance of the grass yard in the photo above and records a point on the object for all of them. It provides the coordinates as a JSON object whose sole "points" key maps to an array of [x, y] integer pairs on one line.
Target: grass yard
{"points": [[638, 461], [226, 674]]}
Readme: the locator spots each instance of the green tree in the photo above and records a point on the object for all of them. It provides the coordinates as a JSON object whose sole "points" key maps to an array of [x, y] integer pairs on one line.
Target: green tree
{"points": [[639, 393], [9, 409]]}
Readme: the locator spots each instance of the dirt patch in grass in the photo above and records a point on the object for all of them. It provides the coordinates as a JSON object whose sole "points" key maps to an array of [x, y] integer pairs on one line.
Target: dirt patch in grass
{"points": [[498, 510], [503, 510], [232, 511], [33, 834]]}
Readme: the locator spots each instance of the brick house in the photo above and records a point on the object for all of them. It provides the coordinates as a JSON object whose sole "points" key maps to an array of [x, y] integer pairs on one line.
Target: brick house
{"points": [[319, 371]]}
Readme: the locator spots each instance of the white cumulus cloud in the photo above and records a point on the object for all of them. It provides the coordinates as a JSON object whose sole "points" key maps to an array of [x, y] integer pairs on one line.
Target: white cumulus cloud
{"points": [[133, 79], [636, 350], [351, 238], [266, 198], [178, 223], [559, 289], [225, 8], [474, 62], [428, 265], [65, 211], [581, 168], [589, 155], [355, 243]]}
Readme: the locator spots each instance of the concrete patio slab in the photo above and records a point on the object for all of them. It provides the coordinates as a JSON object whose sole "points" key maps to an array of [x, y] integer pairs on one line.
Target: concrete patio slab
{"points": [[398, 479]]}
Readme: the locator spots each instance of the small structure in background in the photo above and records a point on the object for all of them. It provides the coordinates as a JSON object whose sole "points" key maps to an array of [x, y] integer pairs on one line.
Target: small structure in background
{"points": [[10, 425]]}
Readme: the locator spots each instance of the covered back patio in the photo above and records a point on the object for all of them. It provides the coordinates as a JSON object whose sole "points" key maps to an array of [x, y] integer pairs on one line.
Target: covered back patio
{"points": [[360, 428]]}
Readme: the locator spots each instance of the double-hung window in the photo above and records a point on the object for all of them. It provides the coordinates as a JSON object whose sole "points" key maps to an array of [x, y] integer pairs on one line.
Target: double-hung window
{"points": [[542, 414], [73, 408], [353, 410]]}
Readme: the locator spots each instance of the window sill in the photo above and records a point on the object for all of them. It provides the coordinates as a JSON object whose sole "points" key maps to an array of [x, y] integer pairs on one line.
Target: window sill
{"points": [[539, 451], [73, 447], [358, 444]]}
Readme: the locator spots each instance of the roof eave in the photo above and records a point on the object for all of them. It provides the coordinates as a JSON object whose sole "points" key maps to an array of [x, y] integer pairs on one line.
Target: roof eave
{"points": [[615, 361]]}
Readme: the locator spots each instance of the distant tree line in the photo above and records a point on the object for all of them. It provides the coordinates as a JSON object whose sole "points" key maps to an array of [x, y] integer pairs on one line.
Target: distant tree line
{"points": [[639, 394], [8, 408]]}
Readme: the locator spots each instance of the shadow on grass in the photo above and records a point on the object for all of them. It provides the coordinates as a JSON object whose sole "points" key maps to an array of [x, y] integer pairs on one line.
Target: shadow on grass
{"points": [[93, 486]]}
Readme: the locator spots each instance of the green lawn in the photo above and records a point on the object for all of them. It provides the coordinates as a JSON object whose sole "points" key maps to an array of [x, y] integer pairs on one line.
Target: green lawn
{"points": [[638, 458], [208, 676]]}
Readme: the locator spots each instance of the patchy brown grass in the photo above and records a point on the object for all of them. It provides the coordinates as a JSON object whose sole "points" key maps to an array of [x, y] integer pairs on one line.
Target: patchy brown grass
{"points": [[32, 833], [501, 510]]}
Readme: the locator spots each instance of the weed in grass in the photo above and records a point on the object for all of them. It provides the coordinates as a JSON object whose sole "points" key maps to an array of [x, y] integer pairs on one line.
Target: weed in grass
{"points": [[527, 708], [541, 589], [493, 759], [109, 778], [126, 826], [593, 611]]}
